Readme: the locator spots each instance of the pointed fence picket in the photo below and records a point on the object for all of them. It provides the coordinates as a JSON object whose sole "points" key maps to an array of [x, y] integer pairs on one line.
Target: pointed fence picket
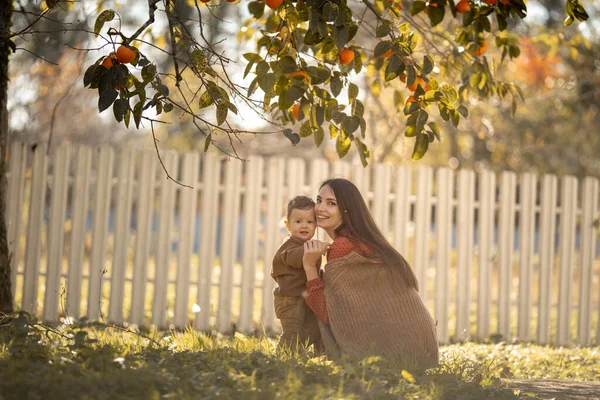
{"points": [[492, 247]]}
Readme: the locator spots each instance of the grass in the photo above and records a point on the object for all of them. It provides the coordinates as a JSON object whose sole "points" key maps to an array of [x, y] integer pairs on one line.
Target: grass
{"points": [[95, 361]]}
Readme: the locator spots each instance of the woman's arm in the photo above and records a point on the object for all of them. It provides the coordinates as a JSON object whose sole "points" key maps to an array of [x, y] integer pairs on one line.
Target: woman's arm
{"points": [[315, 296]]}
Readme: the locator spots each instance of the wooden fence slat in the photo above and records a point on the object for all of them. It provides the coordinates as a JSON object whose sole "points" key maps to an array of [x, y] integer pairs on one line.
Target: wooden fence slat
{"points": [[229, 235], [143, 235], [162, 258], [252, 198], [505, 249], [208, 238], [56, 230], [588, 247], [547, 233], [422, 228], [443, 248], [319, 172], [272, 236], [403, 193], [187, 218], [295, 178], [485, 241], [79, 204], [381, 201], [466, 200], [527, 188], [360, 177], [34, 229], [341, 169], [568, 219], [125, 177], [14, 206], [104, 176]]}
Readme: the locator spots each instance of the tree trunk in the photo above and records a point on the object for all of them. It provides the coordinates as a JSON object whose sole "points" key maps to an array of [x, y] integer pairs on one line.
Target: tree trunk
{"points": [[6, 301]]}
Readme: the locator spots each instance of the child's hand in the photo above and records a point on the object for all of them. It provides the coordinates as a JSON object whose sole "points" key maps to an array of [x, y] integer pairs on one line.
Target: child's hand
{"points": [[313, 250]]}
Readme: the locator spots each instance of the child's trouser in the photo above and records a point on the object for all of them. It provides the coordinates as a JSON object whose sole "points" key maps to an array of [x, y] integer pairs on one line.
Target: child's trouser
{"points": [[298, 322]]}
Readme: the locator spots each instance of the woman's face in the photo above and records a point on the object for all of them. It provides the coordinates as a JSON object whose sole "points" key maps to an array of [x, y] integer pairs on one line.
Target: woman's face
{"points": [[329, 215]]}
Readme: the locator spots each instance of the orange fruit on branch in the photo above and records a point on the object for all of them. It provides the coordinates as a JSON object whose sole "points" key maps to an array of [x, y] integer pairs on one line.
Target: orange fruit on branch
{"points": [[490, 2], [125, 55], [108, 62], [418, 82], [296, 110], [387, 54], [303, 74], [463, 6], [273, 4], [346, 56], [479, 51]]}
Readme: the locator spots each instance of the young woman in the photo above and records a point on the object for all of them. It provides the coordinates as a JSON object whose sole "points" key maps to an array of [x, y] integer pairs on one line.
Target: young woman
{"points": [[367, 301]]}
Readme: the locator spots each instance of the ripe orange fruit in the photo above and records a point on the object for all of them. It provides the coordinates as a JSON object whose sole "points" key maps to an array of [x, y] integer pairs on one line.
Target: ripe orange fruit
{"points": [[481, 49], [418, 82], [411, 99], [387, 54], [490, 2], [346, 56], [125, 55], [205, 1], [403, 77], [296, 110], [463, 6], [303, 74], [426, 87], [273, 4], [506, 2], [231, 1], [108, 62]]}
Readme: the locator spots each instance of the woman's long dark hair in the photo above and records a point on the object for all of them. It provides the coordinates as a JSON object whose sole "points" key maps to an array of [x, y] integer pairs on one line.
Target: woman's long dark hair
{"points": [[358, 222]]}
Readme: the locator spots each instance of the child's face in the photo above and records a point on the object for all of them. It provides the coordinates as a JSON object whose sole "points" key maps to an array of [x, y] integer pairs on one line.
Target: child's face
{"points": [[302, 223]]}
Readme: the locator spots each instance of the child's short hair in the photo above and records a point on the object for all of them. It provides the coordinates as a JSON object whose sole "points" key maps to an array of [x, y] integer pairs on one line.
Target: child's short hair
{"points": [[300, 203]]}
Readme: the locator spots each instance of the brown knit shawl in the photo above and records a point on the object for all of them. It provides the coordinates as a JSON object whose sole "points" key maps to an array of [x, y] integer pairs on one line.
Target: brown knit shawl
{"points": [[372, 312]]}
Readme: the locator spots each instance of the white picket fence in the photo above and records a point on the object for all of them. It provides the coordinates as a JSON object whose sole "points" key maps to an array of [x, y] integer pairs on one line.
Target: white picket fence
{"points": [[508, 254]]}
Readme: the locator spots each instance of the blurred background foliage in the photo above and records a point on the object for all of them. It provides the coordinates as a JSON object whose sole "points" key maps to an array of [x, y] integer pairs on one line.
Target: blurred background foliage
{"points": [[555, 130]]}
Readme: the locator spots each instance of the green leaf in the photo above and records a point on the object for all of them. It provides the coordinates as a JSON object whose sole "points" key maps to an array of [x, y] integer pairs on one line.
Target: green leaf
{"points": [[198, 61], [421, 145], [416, 7], [253, 57], [127, 117], [381, 48], [205, 100], [148, 72], [422, 118], [105, 16], [330, 11], [318, 75], [267, 81], [340, 36], [342, 145], [306, 129], [221, 113], [363, 152], [435, 128], [207, 142], [120, 107], [427, 64], [383, 29], [319, 136], [89, 73], [352, 92], [137, 113], [333, 131], [107, 93], [291, 95], [394, 68], [358, 108], [168, 107], [256, 8], [436, 15], [350, 123], [463, 111], [293, 137], [336, 85], [287, 64]]}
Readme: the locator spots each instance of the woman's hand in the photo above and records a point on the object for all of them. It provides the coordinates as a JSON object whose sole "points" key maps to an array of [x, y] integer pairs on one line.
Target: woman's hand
{"points": [[313, 250]]}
